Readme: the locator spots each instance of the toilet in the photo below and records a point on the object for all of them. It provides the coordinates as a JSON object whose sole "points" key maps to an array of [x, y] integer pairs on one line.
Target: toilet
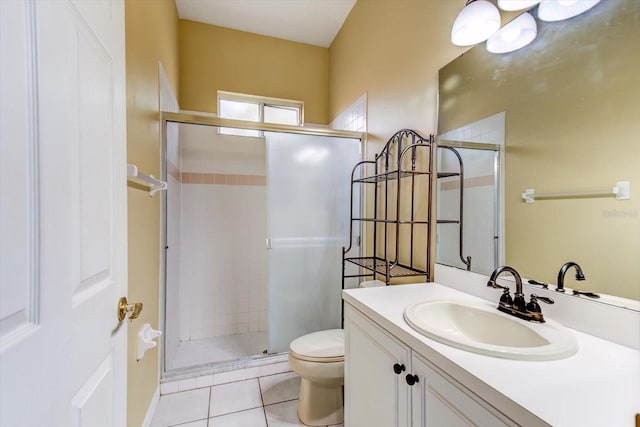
{"points": [[318, 358]]}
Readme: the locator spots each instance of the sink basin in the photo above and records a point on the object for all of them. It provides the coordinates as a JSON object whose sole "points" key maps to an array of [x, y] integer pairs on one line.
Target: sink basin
{"points": [[478, 327]]}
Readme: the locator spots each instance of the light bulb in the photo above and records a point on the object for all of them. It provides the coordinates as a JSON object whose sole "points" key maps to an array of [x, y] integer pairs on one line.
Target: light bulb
{"points": [[513, 36], [558, 10], [516, 4], [475, 23], [510, 34]]}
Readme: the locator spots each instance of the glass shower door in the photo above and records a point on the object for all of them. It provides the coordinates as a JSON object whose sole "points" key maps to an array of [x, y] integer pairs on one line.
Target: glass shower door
{"points": [[308, 199]]}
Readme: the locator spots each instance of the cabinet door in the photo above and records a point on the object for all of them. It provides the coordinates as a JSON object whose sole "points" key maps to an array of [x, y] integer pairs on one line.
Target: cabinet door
{"points": [[374, 394], [438, 402]]}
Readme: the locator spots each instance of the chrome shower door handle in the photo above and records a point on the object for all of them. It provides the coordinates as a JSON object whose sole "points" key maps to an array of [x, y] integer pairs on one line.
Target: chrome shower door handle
{"points": [[268, 243]]}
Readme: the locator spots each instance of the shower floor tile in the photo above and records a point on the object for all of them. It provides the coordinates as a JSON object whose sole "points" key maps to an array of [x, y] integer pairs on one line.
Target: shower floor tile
{"points": [[219, 349]]}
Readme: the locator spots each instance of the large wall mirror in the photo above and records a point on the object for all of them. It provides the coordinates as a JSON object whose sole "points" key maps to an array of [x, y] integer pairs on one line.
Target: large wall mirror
{"points": [[571, 108]]}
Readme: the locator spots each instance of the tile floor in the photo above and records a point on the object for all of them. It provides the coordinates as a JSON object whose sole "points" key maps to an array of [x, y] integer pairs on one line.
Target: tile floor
{"points": [[268, 401]]}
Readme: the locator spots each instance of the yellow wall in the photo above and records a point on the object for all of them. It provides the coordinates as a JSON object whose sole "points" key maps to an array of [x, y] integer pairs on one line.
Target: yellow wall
{"points": [[392, 50], [151, 36], [215, 58]]}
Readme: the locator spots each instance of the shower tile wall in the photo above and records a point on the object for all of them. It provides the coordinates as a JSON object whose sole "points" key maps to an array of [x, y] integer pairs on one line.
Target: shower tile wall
{"points": [[489, 130], [353, 118], [224, 261]]}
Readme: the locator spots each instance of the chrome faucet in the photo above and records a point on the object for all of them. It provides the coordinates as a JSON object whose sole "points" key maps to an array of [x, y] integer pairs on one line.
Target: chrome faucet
{"points": [[563, 271], [517, 306]]}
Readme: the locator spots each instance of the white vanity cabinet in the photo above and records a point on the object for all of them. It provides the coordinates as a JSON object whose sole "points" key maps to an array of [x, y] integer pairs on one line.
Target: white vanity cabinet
{"points": [[374, 394], [438, 401], [387, 384], [457, 387]]}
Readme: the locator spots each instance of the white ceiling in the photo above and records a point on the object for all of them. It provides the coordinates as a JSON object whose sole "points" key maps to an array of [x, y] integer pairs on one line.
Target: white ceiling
{"points": [[313, 22]]}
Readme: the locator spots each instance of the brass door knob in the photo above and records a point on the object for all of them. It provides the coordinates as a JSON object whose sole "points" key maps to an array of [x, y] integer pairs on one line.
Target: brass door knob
{"points": [[124, 308]]}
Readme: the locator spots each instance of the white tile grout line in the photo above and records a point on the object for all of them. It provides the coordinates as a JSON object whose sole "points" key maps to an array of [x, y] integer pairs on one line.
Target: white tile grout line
{"points": [[264, 412], [239, 378], [209, 405], [242, 410]]}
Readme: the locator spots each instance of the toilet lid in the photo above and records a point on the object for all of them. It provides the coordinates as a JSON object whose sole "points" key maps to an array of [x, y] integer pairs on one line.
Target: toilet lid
{"points": [[319, 345]]}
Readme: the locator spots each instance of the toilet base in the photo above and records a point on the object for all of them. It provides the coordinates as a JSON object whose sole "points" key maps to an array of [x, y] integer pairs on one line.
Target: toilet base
{"points": [[320, 404]]}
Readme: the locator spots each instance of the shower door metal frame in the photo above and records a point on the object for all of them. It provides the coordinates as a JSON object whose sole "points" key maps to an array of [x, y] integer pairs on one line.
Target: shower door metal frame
{"points": [[498, 186], [205, 120]]}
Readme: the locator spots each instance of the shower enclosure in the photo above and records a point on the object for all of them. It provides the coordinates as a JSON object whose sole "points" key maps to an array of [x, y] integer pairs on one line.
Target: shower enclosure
{"points": [[473, 237], [254, 227], [479, 146]]}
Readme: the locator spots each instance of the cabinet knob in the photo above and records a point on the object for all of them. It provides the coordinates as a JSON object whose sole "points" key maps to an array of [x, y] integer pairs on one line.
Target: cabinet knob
{"points": [[412, 379], [397, 368]]}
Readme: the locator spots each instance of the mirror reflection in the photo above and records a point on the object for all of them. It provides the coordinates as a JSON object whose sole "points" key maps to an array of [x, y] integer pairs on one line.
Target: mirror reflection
{"points": [[571, 109]]}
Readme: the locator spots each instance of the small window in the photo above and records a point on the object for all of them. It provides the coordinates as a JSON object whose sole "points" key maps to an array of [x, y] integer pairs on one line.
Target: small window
{"points": [[282, 115], [258, 109], [239, 110]]}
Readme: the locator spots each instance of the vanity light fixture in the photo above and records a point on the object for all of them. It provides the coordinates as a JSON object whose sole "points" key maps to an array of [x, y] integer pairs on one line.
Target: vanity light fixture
{"points": [[510, 5], [513, 36], [558, 10], [475, 23]]}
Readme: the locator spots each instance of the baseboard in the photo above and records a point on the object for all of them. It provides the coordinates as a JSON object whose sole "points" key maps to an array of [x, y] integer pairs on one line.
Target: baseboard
{"points": [[152, 408]]}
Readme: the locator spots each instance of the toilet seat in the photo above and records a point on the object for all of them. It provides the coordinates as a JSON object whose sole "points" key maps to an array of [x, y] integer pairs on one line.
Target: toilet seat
{"points": [[320, 347], [316, 359]]}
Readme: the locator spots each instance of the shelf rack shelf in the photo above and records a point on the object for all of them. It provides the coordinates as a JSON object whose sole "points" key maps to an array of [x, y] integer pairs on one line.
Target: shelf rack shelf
{"points": [[448, 221], [401, 160], [385, 267], [447, 174], [390, 221], [390, 176]]}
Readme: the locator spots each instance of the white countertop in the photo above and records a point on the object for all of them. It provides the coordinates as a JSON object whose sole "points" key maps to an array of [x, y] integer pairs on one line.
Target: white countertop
{"points": [[598, 386]]}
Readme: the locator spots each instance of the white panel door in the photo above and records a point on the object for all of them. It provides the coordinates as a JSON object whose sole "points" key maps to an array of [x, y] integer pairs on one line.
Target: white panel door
{"points": [[63, 213]]}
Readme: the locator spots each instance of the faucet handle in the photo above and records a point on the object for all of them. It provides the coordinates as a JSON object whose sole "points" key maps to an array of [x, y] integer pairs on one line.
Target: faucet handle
{"points": [[493, 284], [506, 296], [535, 282], [586, 294], [543, 299], [533, 306]]}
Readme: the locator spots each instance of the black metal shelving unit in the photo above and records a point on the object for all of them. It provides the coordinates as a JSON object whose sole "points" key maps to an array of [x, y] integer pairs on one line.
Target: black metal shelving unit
{"points": [[404, 165]]}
